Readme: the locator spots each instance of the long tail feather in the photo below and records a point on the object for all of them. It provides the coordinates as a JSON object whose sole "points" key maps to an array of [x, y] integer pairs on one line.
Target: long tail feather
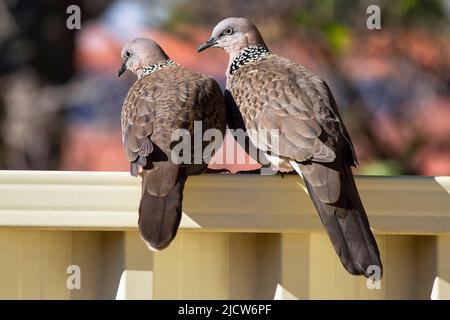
{"points": [[345, 220], [160, 216]]}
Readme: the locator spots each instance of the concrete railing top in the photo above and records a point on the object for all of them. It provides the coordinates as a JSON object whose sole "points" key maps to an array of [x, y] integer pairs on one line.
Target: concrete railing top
{"points": [[216, 202]]}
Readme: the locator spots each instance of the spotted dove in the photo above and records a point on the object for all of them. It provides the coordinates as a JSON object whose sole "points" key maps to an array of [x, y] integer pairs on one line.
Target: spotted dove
{"points": [[165, 98], [268, 92]]}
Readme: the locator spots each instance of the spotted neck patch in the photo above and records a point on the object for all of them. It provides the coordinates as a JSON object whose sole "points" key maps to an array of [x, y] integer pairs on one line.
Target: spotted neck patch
{"points": [[155, 67], [250, 54]]}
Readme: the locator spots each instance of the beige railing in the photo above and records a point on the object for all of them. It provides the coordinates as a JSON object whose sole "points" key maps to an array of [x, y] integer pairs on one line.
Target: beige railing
{"points": [[242, 236]]}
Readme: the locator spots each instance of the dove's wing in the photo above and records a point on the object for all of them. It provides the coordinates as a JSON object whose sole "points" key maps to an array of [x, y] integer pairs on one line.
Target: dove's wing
{"points": [[286, 97]]}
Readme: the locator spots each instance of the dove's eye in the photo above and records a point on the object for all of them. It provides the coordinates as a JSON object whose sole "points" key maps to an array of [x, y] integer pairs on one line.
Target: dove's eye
{"points": [[228, 31], [128, 53]]}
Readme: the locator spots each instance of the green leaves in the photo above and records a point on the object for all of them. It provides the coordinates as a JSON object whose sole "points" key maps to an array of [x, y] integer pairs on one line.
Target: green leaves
{"points": [[338, 37]]}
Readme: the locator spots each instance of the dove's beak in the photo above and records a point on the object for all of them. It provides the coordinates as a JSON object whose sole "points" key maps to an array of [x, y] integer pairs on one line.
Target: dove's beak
{"points": [[122, 68], [208, 44]]}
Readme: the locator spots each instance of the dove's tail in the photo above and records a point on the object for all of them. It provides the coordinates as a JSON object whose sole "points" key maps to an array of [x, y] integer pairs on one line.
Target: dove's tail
{"points": [[345, 220], [160, 216]]}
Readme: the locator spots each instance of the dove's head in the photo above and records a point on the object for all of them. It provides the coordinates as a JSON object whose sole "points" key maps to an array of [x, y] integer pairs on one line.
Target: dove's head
{"points": [[140, 53], [233, 35]]}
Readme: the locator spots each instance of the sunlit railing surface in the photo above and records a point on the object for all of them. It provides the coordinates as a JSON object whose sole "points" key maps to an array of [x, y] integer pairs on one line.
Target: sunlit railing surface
{"points": [[242, 237]]}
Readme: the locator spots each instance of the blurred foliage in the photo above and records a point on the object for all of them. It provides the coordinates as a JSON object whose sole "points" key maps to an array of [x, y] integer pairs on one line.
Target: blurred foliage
{"points": [[382, 168], [428, 13], [336, 20], [322, 16], [318, 14], [338, 37], [177, 15]]}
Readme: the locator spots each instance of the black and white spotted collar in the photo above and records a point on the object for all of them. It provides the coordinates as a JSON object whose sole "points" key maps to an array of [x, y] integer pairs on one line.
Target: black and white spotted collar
{"points": [[155, 67], [250, 54]]}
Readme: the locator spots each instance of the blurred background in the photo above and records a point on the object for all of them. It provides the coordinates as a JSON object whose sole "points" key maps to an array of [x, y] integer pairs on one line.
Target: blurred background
{"points": [[60, 97]]}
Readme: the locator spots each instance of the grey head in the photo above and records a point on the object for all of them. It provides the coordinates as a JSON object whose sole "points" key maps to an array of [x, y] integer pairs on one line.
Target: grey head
{"points": [[139, 53], [233, 35]]}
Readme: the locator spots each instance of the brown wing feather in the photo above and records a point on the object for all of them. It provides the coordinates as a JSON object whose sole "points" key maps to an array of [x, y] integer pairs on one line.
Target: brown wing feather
{"points": [[275, 93]]}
